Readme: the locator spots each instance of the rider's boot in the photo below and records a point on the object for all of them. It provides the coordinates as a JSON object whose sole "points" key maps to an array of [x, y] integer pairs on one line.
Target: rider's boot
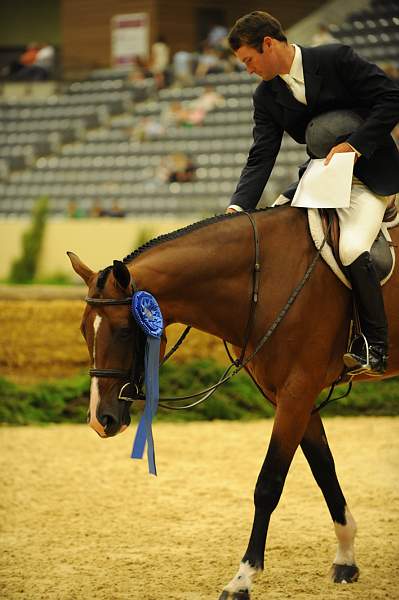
{"points": [[368, 297]]}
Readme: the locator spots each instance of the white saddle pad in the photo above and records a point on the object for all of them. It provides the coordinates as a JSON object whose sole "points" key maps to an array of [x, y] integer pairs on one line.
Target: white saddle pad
{"points": [[316, 231]]}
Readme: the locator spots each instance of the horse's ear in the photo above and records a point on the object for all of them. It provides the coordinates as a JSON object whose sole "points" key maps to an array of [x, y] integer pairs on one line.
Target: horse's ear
{"points": [[121, 274], [80, 268]]}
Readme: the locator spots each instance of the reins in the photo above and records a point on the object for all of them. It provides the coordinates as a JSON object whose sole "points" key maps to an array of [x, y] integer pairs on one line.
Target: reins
{"points": [[177, 345]]}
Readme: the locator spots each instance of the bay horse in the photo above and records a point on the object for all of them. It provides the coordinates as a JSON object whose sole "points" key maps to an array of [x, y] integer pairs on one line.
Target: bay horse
{"points": [[201, 276]]}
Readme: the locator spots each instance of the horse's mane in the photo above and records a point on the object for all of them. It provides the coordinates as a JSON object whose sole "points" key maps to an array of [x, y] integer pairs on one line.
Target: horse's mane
{"points": [[173, 235]]}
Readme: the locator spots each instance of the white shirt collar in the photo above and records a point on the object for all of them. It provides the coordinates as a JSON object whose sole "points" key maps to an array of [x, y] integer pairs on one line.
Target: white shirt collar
{"points": [[296, 71]]}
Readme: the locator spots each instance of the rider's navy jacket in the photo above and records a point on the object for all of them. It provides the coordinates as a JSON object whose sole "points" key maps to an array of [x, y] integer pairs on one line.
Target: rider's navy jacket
{"points": [[335, 78]]}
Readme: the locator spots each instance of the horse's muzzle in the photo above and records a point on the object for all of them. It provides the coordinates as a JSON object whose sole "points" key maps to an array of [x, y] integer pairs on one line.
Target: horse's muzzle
{"points": [[110, 423]]}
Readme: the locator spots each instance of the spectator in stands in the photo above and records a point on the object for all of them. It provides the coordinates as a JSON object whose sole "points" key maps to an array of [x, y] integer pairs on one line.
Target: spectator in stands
{"points": [[96, 209], [26, 59], [74, 211], [198, 108], [159, 62], [115, 212], [208, 100], [44, 61], [173, 114], [147, 128], [139, 70], [29, 56], [191, 113], [183, 68], [323, 36], [42, 66], [287, 99], [217, 37], [177, 167], [209, 61]]}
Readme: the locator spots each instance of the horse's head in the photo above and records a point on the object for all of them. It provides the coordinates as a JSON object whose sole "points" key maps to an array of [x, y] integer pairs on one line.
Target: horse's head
{"points": [[115, 344]]}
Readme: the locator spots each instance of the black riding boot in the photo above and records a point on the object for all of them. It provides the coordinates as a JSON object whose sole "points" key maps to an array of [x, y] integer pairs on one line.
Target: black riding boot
{"points": [[368, 296]]}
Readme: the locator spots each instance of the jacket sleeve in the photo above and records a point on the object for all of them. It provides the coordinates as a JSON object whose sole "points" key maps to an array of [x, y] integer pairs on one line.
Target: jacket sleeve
{"points": [[373, 90], [262, 155]]}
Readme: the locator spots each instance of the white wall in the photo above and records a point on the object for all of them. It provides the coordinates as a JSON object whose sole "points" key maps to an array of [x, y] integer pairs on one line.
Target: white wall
{"points": [[97, 241]]}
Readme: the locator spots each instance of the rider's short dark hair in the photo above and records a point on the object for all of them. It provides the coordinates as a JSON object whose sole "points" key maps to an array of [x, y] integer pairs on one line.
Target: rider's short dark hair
{"points": [[250, 30]]}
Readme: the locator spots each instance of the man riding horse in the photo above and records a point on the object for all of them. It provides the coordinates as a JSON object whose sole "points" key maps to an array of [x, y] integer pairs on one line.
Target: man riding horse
{"points": [[196, 272], [298, 84]]}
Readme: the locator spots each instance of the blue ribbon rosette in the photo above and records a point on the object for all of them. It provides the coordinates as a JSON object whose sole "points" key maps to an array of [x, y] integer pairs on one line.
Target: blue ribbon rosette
{"points": [[148, 315]]}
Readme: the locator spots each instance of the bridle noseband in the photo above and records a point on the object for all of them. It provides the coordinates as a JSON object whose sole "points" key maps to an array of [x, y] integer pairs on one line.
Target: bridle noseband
{"points": [[133, 376]]}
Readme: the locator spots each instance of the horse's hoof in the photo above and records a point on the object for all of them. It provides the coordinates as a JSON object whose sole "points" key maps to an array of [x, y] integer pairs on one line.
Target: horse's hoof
{"points": [[244, 595], [344, 573]]}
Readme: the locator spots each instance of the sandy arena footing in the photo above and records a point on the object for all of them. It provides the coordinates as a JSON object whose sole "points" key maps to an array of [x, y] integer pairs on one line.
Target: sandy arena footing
{"points": [[80, 520]]}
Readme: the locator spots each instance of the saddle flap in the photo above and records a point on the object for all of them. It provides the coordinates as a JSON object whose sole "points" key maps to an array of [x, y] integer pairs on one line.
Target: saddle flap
{"points": [[382, 252]]}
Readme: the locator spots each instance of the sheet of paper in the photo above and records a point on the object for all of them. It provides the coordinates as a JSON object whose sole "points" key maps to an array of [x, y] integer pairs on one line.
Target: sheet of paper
{"points": [[326, 186]]}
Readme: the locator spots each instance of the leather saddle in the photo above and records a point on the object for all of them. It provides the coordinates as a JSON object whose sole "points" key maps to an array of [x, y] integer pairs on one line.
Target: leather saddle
{"points": [[381, 253]]}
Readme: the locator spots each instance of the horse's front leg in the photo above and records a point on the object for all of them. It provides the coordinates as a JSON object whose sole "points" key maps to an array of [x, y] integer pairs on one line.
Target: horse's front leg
{"points": [[317, 452], [289, 426]]}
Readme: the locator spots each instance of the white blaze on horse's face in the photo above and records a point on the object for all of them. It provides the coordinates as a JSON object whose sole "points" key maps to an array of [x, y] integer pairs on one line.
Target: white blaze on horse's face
{"points": [[94, 390]]}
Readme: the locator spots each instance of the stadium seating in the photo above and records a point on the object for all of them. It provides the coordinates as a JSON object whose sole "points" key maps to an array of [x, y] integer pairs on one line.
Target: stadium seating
{"points": [[79, 145], [102, 163]]}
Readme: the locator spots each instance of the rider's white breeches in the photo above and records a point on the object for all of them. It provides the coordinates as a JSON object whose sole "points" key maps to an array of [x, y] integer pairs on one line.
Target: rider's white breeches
{"points": [[360, 222]]}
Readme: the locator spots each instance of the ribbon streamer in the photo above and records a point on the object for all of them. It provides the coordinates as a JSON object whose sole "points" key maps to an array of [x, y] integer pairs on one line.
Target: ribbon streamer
{"points": [[148, 315]]}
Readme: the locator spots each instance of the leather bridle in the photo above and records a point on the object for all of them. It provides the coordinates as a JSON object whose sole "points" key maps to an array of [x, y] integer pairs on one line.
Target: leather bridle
{"points": [[134, 376]]}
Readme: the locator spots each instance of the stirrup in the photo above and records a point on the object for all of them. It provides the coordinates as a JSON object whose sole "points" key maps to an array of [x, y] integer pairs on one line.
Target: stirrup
{"points": [[358, 362], [355, 368]]}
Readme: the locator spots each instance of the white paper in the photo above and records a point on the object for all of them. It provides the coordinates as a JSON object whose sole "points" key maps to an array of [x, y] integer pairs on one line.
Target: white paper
{"points": [[326, 186]]}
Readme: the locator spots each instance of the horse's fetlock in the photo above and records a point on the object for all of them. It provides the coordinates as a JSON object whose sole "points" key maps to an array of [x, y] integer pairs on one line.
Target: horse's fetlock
{"points": [[241, 584]]}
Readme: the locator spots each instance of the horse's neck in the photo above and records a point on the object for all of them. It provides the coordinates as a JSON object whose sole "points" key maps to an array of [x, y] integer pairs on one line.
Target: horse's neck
{"points": [[204, 278], [197, 276]]}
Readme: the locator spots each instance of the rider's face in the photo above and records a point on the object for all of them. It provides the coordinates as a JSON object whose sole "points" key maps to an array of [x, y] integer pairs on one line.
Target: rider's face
{"points": [[263, 63]]}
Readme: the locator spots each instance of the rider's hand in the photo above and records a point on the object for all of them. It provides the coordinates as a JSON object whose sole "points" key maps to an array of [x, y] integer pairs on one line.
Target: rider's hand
{"points": [[343, 147], [230, 210]]}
